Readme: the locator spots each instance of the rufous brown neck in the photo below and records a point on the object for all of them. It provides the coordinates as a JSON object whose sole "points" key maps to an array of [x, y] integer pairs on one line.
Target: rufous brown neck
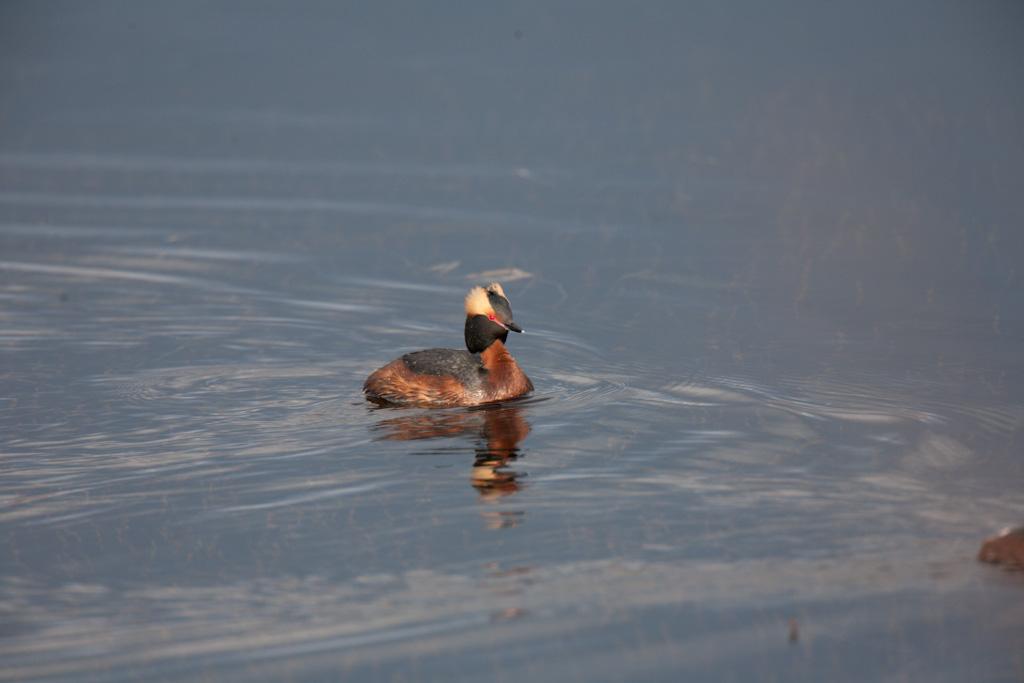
{"points": [[504, 378]]}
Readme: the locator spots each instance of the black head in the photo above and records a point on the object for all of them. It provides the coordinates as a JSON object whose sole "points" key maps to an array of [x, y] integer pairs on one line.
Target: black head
{"points": [[488, 317]]}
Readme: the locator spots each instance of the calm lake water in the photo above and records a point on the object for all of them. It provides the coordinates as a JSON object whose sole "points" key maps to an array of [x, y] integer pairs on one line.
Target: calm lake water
{"points": [[768, 260]]}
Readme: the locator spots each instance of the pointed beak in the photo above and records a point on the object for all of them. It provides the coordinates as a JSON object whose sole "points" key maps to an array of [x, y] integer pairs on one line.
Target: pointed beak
{"points": [[512, 326]]}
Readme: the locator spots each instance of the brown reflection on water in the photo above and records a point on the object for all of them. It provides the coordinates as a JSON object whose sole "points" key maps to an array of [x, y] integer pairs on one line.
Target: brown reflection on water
{"points": [[500, 430]]}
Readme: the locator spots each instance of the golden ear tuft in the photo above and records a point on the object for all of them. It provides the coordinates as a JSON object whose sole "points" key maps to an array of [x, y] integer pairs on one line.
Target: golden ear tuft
{"points": [[495, 288], [477, 302]]}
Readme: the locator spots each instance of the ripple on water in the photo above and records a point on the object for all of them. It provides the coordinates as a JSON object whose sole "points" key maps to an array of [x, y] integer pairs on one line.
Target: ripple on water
{"points": [[177, 427], [96, 273], [280, 617]]}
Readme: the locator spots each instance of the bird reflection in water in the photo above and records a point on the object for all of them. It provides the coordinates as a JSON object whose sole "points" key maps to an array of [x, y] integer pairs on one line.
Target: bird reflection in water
{"points": [[500, 429]]}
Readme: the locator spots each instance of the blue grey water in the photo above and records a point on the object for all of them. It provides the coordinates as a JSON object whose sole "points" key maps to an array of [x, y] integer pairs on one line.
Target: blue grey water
{"points": [[767, 256]]}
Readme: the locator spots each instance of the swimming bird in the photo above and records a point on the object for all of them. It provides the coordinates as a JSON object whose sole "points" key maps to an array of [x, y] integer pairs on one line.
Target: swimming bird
{"points": [[485, 373]]}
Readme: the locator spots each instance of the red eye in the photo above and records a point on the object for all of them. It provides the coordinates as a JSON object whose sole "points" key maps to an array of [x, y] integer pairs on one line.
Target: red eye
{"points": [[490, 316]]}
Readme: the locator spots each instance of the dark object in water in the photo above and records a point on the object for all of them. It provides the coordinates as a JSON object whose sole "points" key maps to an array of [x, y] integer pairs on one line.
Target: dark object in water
{"points": [[1006, 549]]}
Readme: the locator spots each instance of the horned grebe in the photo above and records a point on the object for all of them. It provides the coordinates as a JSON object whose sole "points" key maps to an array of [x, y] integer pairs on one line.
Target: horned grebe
{"points": [[485, 373]]}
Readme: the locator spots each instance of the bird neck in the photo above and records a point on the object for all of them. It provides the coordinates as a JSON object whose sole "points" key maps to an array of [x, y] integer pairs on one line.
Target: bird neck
{"points": [[481, 333]]}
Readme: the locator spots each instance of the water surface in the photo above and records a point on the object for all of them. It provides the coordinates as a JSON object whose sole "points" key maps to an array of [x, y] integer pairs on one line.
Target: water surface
{"points": [[768, 263]]}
